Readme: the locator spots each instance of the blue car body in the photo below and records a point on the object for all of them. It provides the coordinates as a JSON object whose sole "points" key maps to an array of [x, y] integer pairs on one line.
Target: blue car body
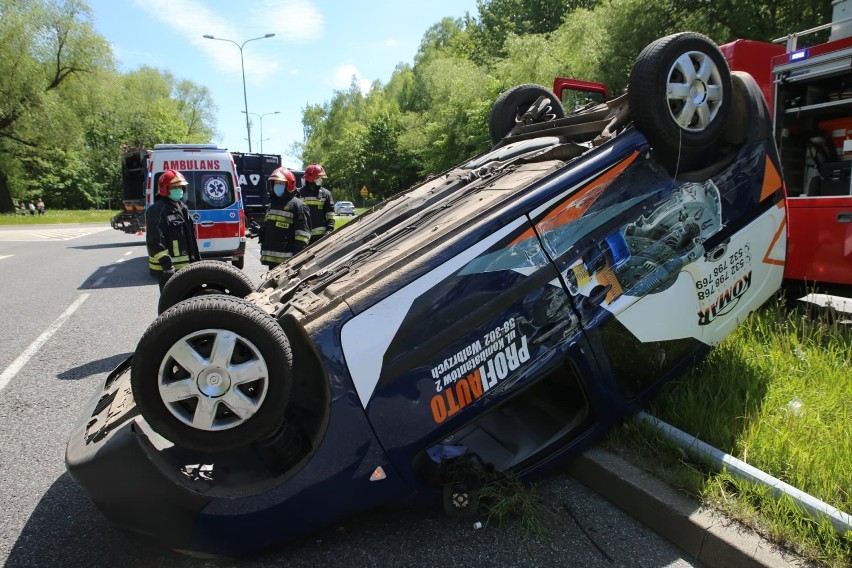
{"points": [[512, 309]]}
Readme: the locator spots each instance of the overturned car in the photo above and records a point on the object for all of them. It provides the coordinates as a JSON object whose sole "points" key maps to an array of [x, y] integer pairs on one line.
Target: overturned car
{"points": [[499, 317]]}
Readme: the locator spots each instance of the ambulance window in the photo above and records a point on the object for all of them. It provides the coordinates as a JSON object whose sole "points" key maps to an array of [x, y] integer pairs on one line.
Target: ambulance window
{"points": [[210, 190]]}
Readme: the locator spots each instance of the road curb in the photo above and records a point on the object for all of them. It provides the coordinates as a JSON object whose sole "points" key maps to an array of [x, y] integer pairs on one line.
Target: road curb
{"points": [[708, 537]]}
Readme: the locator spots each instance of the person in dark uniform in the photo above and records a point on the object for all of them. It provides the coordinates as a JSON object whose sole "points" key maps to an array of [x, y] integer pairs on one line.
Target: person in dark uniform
{"points": [[287, 227], [319, 202], [170, 233]]}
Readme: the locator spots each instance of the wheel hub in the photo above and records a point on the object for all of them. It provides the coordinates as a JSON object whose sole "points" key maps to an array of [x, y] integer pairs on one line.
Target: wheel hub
{"points": [[698, 92], [213, 382]]}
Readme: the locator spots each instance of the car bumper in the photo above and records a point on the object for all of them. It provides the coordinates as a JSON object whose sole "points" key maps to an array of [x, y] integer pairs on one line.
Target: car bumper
{"points": [[188, 500]]}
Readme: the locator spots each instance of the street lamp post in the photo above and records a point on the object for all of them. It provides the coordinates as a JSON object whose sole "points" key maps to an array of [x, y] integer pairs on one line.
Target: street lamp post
{"points": [[260, 116], [243, 67]]}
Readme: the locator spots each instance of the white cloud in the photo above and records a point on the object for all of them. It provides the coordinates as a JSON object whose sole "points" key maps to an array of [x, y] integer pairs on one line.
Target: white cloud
{"points": [[292, 20], [289, 20], [341, 78], [391, 42]]}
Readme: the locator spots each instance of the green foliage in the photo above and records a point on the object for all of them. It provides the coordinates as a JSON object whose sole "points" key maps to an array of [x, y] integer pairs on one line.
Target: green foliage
{"points": [[776, 394], [510, 501], [58, 216], [66, 110]]}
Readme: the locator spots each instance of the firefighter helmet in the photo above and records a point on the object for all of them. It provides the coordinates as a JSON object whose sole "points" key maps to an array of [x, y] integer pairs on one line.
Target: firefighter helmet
{"points": [[170, 179], [313, 172], [282, 175]]}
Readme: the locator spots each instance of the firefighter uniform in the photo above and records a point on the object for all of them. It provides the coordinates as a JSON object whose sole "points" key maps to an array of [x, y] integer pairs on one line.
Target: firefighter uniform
{"points": [[286, 229], [170, 237], [320, 203]]}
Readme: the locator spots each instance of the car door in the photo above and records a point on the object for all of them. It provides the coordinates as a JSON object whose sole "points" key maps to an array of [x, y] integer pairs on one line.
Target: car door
{"points": [[660, 269], [461, 343]]}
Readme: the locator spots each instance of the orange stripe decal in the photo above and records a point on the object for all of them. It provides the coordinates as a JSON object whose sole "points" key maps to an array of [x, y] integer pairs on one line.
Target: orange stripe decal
{"points": [[771, 180], [778, 233]]}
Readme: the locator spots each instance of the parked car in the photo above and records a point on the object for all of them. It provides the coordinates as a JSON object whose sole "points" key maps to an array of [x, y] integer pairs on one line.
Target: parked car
{"points": [[344, 208], [493, 320]]}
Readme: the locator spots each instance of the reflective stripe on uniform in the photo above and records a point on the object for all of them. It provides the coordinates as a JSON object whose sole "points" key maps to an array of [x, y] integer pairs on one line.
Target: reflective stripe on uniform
{"points": [[159, 255], [154, 265], [180, 259], [275, 256], [278, 215], [318, 231], [175, 248], [314, 202]]}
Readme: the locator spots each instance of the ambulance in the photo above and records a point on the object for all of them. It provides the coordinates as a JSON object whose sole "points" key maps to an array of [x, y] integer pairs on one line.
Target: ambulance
{"points": [[214, 198]]}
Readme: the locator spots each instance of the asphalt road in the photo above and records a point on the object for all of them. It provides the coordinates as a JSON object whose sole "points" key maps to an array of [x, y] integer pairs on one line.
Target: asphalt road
{"points": [[75, 301]]}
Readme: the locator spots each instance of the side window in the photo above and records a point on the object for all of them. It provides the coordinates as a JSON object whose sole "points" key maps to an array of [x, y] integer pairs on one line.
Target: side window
{"points": [[211, 190]]}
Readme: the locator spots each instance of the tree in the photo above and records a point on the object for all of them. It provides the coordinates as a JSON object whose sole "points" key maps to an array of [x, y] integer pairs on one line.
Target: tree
{"points": [[44, 46], [755, 19], [499, 19]]}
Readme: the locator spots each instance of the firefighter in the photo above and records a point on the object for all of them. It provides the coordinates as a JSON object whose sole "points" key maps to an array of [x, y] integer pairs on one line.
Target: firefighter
{"points": [[287, 226], [319, 202], [170, 233]]}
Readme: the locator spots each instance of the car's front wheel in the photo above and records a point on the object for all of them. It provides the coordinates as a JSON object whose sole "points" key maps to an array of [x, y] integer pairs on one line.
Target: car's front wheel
{"points": [[213, 374], [204, 278]]}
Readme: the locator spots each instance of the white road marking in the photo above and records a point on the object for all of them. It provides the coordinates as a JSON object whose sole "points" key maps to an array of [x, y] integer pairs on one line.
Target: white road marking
{"points": [[2, 256], [99, 281], [59, 234], [128, 252], [110, 270], [24, 357]]}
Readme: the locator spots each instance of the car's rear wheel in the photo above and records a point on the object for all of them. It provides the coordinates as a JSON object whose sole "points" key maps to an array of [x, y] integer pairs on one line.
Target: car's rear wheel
{"points": [[213, 374], [514, 103], [203, 278], [679, 93]]}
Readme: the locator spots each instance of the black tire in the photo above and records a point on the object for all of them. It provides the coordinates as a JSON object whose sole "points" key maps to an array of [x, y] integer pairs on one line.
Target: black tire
{"points": [[680, 108], [202, 278], [239, 262], [202, 414], [512, 104]]}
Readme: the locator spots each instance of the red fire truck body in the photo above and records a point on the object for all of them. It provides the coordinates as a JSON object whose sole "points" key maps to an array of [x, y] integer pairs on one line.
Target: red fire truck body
{"points": [[809, 91]]}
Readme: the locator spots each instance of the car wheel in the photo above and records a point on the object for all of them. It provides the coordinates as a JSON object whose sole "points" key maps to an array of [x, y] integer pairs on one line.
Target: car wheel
{"points": [[213, 374], [679, 93], [512, 104], [239, 262], [204, 277]]}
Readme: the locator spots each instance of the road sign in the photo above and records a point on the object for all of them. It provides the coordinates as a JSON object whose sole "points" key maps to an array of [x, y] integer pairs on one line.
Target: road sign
{"points": [[364, 192]]}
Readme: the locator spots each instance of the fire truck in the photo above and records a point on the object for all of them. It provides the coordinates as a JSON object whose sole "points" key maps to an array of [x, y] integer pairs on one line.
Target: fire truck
{"points": [[809, 92]]}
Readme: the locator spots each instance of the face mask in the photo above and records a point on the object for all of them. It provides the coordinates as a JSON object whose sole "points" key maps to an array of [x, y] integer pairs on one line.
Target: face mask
{"points": [[176, 194], [278, 189], [319, 182]]}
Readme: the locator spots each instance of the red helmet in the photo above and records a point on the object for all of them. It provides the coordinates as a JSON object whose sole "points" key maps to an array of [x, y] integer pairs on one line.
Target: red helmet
{"points": [[313, 172], [282, 175], [169, 180]]}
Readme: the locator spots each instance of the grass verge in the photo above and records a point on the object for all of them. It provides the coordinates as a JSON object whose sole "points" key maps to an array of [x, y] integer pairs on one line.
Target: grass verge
{"points": [[57, 216], [776, 394]]}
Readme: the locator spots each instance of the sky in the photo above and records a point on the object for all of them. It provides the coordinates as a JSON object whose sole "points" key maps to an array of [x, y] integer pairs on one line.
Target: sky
{"points": [[319, 45]]}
